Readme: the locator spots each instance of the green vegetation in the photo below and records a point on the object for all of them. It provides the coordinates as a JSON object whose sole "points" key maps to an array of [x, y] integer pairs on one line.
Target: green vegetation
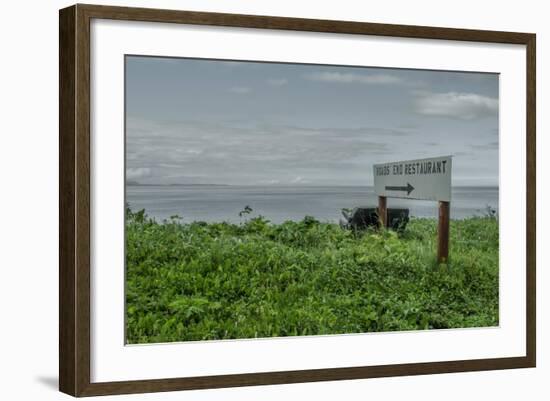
{"points": [[204, 281]]}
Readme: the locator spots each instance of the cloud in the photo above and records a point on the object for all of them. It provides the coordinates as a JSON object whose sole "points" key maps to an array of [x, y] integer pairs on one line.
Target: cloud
{"points": [[348, 78], [277, 81], [298, 180], [230, 63], [137, 173], [485, 146], [462, 106], [270, 182], [240, 90]]}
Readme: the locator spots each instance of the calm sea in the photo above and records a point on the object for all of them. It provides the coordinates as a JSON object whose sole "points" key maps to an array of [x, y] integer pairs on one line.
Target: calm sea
{"points": [[277, 203]]}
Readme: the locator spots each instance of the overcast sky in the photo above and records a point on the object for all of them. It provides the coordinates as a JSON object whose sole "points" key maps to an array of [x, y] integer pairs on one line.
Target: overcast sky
{"points": [[245, 123]]}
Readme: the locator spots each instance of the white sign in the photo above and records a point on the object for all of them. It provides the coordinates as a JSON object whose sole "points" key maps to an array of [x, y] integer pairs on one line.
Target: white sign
{"points": [[428, 179]]}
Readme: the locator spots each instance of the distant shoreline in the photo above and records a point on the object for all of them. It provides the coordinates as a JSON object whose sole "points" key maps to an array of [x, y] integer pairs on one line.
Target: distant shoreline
{"points": [[136, 184]]}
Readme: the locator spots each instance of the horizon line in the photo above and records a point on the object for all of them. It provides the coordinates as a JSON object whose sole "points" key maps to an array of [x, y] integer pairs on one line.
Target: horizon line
{"points": [[137, 184]]}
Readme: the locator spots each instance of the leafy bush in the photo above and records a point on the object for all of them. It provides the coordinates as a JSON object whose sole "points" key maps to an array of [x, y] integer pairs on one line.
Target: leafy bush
{"points": [[202, 281]]}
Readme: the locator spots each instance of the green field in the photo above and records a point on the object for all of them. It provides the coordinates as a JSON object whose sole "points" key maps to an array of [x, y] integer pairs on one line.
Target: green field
{"points": [[210, 281]]}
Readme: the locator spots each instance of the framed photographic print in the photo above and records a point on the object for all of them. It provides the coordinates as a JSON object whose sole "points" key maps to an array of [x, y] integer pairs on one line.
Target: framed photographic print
{"points": [[250, 200]]}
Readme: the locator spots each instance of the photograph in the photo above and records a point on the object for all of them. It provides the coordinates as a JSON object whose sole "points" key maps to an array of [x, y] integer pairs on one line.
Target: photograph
{"points": [[269, 199]]}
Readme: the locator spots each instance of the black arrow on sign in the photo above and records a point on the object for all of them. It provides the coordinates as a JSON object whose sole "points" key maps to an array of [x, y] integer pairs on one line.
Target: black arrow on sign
{"points": [[409, 188]]}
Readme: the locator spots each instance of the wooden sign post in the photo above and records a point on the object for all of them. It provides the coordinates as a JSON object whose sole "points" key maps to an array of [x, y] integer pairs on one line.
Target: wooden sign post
{"points": [[427, 179], [443, 232], [382, 211]]}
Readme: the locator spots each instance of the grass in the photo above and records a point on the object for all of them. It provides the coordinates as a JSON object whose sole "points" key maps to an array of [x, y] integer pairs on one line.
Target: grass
{"points": [[206, 281]]}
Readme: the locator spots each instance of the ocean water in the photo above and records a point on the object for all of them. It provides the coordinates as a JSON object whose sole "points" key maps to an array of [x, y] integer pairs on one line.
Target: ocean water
{"points": [[278, 203]]}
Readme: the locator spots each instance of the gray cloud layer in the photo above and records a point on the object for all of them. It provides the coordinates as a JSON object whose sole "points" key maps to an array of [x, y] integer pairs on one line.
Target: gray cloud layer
{"points": [[204, 152], [194, 121]]}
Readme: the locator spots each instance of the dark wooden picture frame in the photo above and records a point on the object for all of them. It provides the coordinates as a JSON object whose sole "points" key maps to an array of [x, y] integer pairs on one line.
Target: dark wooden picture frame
{"points": [[74, 200]]}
